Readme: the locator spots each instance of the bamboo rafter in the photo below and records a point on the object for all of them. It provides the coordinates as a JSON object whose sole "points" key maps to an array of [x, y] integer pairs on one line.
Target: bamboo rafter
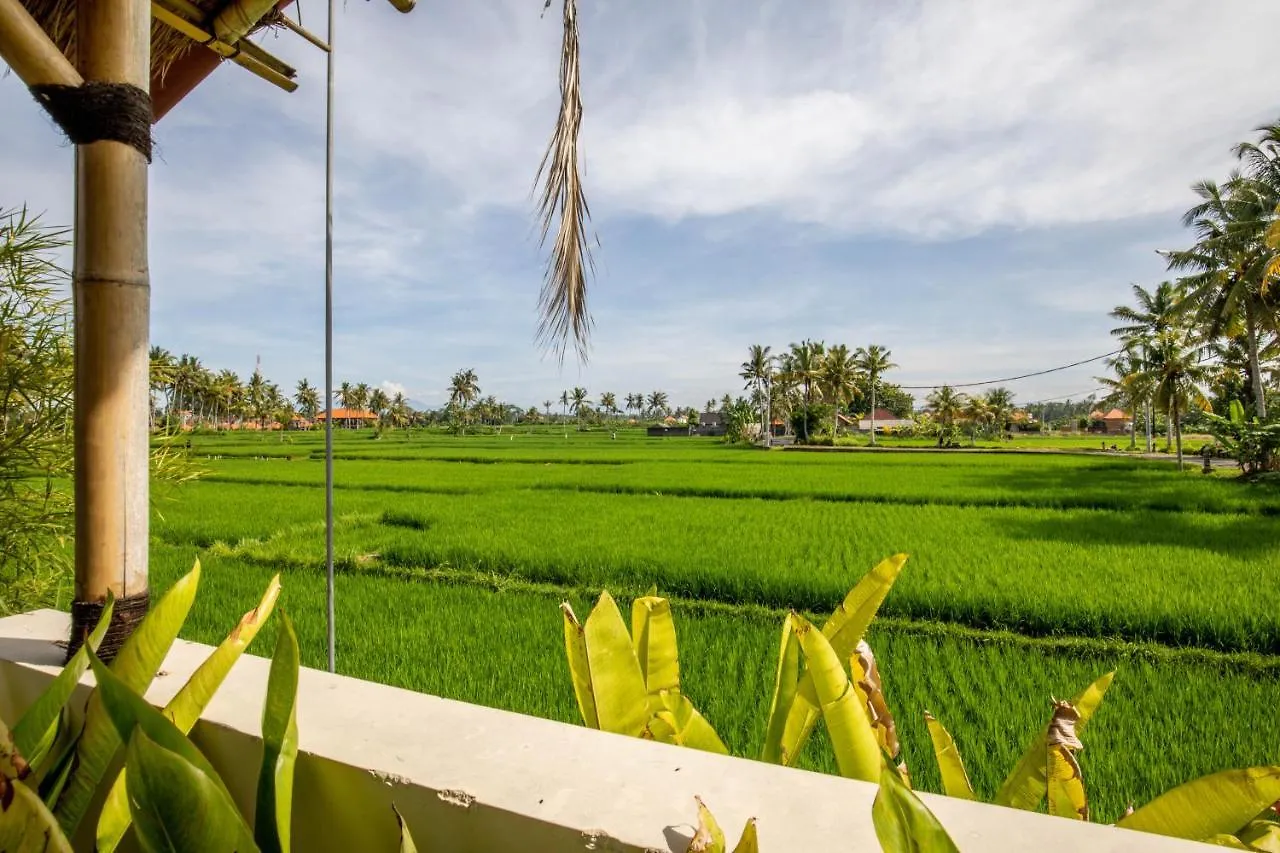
{"points": [[182, 17]]}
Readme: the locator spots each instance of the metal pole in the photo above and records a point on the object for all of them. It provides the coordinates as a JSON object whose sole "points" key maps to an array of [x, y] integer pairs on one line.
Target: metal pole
{"points": [[328, 341]]}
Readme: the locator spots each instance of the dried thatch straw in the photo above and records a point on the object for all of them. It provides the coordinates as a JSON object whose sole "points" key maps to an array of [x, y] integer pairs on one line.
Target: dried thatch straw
{"points": [[563, 301], [58, 19]]}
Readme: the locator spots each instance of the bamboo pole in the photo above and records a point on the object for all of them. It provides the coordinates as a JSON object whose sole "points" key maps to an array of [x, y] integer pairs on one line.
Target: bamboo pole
{"points": [[257, 62], [112, 294], [29, 51]]}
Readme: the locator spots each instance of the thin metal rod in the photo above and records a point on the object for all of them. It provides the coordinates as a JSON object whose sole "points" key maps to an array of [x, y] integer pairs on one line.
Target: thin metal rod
{"points": [[328, 342]]}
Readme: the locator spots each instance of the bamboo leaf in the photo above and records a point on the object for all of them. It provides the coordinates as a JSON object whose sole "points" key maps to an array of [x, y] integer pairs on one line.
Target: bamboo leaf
{"points": [[678, 722], [406, 839], [135, 666], [621, 700], [903, 822], [274, 813], [784, 693], [175, 806], [708, 838], [1026, 784], [843, 630], [653, 634], [857, 751], [126, 712], [955, 781], [575, 649], [37, 730], [186, 707], [26, 824], [1211, 805]]}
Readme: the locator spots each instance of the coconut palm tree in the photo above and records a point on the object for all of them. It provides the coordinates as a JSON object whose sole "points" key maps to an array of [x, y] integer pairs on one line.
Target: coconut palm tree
{"points": [[464, 389], [1131, 385], [1154, 313], [838, 377], [546, 404], [758, 371], [379, 402], [259, 397], [1178, 371], [307, 398], [1000, 401], [873, 361], [802, 363], [947, 405], [579, 403], [659, 403], [161, 379], [1227, 284], [979, 412], [609, 402], [345, 395]]}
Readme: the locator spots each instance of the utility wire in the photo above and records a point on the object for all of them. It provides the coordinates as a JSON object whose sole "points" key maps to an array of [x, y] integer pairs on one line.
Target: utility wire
{"points": [[1011, 378]]}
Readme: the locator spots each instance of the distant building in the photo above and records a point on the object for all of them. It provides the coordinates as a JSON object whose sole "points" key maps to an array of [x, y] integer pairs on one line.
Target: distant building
{"points": [[349, 418], [885, 419], [1116, 422]]}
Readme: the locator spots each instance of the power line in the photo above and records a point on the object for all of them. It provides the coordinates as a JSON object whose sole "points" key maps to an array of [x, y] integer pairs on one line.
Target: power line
{"points": [[1066, 397], [1011, 378]]}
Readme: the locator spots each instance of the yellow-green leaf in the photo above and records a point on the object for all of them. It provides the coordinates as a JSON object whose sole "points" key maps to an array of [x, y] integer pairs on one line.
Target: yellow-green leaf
{"points": [[36, 731], [903, 822], [1227, 841], [843, 630], [748, 843], [128, 714], [1025, 786], [135, 665], [1065, 784], [176, 807], [406, 839], [653, 634], [784, 693], [274, 813], [12, 763], [622, 702], [1262, 835], [187, 706], [1211, 805], [852, 739], [955, 781], [708, 838], [678, 722], [575, 649], [26, 825]]}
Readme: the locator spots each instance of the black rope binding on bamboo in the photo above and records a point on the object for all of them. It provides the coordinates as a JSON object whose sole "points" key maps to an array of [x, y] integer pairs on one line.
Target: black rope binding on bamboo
{"points": [[125, 616], [94, 112]]}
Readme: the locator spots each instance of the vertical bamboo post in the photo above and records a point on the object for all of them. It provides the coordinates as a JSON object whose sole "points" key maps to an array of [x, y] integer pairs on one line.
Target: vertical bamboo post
{"points": [[112, 293]]}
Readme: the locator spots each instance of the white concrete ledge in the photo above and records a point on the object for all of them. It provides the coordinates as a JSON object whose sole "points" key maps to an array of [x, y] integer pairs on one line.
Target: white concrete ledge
{"points": [[476, 780]]}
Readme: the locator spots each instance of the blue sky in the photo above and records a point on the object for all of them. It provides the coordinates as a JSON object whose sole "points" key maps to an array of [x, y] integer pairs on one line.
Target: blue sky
{"points": [[972, 184]]}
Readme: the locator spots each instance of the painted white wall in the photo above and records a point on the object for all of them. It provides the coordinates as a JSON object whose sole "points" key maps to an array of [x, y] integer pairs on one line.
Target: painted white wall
{"points": [[477, 780]]}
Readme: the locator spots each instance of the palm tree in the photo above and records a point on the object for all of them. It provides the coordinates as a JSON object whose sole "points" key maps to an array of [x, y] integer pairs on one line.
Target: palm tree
{"points": [[360, 399], [1177, 372], [464, 389], [379, 402], [579, 403], [1131, 385], [838, 376], [161, 378], [1155, 313], [802, 363], [757, 370], [658, 403], [307, 398], [947, 405], [344, 395], [258, 396], [1227, 287], [609, 402], [874, 362], [546, 404], [1000, 401], [979, 412]]}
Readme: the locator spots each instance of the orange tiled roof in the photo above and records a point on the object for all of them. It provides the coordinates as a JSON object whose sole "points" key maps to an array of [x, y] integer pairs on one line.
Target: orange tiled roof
{"points": [[349, 414]]}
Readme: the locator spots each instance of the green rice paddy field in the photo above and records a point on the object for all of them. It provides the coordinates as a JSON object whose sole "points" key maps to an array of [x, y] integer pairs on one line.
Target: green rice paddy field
{"points": [[1030, 574]]}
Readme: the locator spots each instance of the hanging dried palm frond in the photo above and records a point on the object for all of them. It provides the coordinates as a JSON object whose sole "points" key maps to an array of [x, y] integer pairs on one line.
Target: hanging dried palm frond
{"points": [[563, 302]]}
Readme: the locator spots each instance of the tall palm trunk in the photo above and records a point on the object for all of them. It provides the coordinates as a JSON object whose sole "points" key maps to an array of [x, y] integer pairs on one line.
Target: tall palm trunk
{"points": [[1148, 415], [1177, 429], [873, 413], [1133, 425], [1255, 368]]}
